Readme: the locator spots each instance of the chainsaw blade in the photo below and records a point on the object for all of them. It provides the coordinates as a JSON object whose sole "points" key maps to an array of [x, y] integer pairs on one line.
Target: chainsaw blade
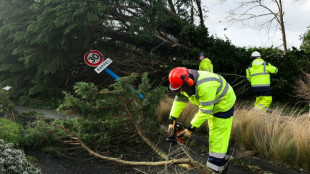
{"points": [[172, 139]]}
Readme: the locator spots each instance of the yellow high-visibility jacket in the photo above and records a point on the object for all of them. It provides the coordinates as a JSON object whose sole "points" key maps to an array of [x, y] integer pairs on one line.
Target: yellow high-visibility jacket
{"points": [[206, 65], [259, 73], [212, 95]]}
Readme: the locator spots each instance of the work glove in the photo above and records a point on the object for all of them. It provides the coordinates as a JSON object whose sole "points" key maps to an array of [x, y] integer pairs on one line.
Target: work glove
{"points": [[171, 128], [185, 134]]}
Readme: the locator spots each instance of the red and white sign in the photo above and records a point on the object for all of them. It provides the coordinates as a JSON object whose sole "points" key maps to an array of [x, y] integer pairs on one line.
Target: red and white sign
{"points": [[93, 58]]}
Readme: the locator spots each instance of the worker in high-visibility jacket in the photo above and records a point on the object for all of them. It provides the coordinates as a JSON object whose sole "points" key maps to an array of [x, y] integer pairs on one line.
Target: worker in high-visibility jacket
{"points": [[258, 73], [215, 99], [205, 63]]}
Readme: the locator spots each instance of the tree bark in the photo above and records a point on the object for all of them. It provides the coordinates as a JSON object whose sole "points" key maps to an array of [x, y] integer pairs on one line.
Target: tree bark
{"points": [[281, 14], [172, 6], [192, 12], [198, 2]]}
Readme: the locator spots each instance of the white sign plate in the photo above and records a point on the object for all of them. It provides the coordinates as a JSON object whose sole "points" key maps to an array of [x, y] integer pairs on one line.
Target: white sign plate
{"points": [[103, 65]]}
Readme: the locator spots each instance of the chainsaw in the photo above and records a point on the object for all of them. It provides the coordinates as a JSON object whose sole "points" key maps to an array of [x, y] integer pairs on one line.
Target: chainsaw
{"points": [[178, 128]]}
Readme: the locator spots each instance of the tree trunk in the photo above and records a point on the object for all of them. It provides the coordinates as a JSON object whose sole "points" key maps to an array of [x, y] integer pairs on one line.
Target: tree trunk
{"points": [[172, 6], [281, 13], [192, 12], [198, 2]]}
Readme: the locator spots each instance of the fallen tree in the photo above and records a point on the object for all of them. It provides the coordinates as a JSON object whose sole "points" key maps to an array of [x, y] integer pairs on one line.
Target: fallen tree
{"points": [[112, 118], [134, 112], [187, 163]]}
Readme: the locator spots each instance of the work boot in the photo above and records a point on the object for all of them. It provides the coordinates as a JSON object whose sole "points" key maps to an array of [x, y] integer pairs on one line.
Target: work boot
{"points": [[225, 166], [225, 171]]}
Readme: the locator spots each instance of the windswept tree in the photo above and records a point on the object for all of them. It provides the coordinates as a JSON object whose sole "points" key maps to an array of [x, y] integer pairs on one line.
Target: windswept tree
{"points": [[271, 10], [44, 41]]}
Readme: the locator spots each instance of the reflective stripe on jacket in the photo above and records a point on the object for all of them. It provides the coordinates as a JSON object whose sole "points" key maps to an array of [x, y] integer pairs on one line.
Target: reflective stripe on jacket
{"points": [[212, 95], [206, 65], [259, 73]]}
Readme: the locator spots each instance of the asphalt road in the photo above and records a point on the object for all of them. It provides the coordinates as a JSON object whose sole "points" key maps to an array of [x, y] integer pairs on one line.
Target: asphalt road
{"points": [[47, 114]]}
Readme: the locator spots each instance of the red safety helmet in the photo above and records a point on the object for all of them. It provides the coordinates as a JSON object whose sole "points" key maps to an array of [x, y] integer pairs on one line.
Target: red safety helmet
{"points": [[177, 77]]}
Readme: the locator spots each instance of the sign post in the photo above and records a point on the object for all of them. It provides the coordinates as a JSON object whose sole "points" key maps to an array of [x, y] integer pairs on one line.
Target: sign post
{"points": [[94, 58]]}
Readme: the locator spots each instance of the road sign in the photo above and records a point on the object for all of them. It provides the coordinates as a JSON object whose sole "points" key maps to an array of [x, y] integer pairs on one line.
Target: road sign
{"points": [[103, 65], [93, 58]]}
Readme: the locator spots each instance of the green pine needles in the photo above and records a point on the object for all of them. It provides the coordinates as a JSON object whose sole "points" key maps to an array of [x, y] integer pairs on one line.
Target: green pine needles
{"points": [[106, 117], [90, 102]]}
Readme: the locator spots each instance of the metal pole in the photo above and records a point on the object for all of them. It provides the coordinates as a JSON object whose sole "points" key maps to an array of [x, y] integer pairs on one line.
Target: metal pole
{"points": [[112, 74]]}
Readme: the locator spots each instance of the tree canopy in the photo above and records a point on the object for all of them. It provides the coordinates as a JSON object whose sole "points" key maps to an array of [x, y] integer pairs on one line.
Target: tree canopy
{"points": [[43, 42]]}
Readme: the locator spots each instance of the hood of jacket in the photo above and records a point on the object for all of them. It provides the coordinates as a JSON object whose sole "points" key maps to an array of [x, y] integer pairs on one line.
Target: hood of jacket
{"points": [[257, 63]]}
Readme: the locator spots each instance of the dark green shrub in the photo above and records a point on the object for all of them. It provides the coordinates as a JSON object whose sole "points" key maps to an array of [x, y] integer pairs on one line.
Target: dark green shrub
{"points": [[10, 131], [35, 133], [5, 103], [51, 103]]}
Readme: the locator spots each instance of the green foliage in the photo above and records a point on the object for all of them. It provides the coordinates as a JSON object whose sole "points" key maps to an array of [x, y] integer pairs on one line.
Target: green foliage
{"points": [[85, 101], [227, 58], [32, 160], [5, 103], [39, 47], [52, 103], [13, 161], [107, 120], [10, 132], [43, 43], [290, 69], [46, 137], [90, 104], [35, 134], [305, 38]]}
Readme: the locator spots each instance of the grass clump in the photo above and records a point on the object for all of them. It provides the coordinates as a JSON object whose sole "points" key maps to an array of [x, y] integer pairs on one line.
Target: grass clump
{"points": [[279, 135], [284, 138]]}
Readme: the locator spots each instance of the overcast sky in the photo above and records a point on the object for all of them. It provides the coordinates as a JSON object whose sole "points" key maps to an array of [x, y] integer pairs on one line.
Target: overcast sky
{"points": [[297, 18]]}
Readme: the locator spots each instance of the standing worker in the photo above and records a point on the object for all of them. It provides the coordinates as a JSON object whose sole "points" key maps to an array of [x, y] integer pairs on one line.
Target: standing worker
{"points": [[205, 63], [215, 99], [258, 74]]}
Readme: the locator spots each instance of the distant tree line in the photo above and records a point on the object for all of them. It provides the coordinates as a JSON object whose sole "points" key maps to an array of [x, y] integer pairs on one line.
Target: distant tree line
{"points": [[42, 44]]}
